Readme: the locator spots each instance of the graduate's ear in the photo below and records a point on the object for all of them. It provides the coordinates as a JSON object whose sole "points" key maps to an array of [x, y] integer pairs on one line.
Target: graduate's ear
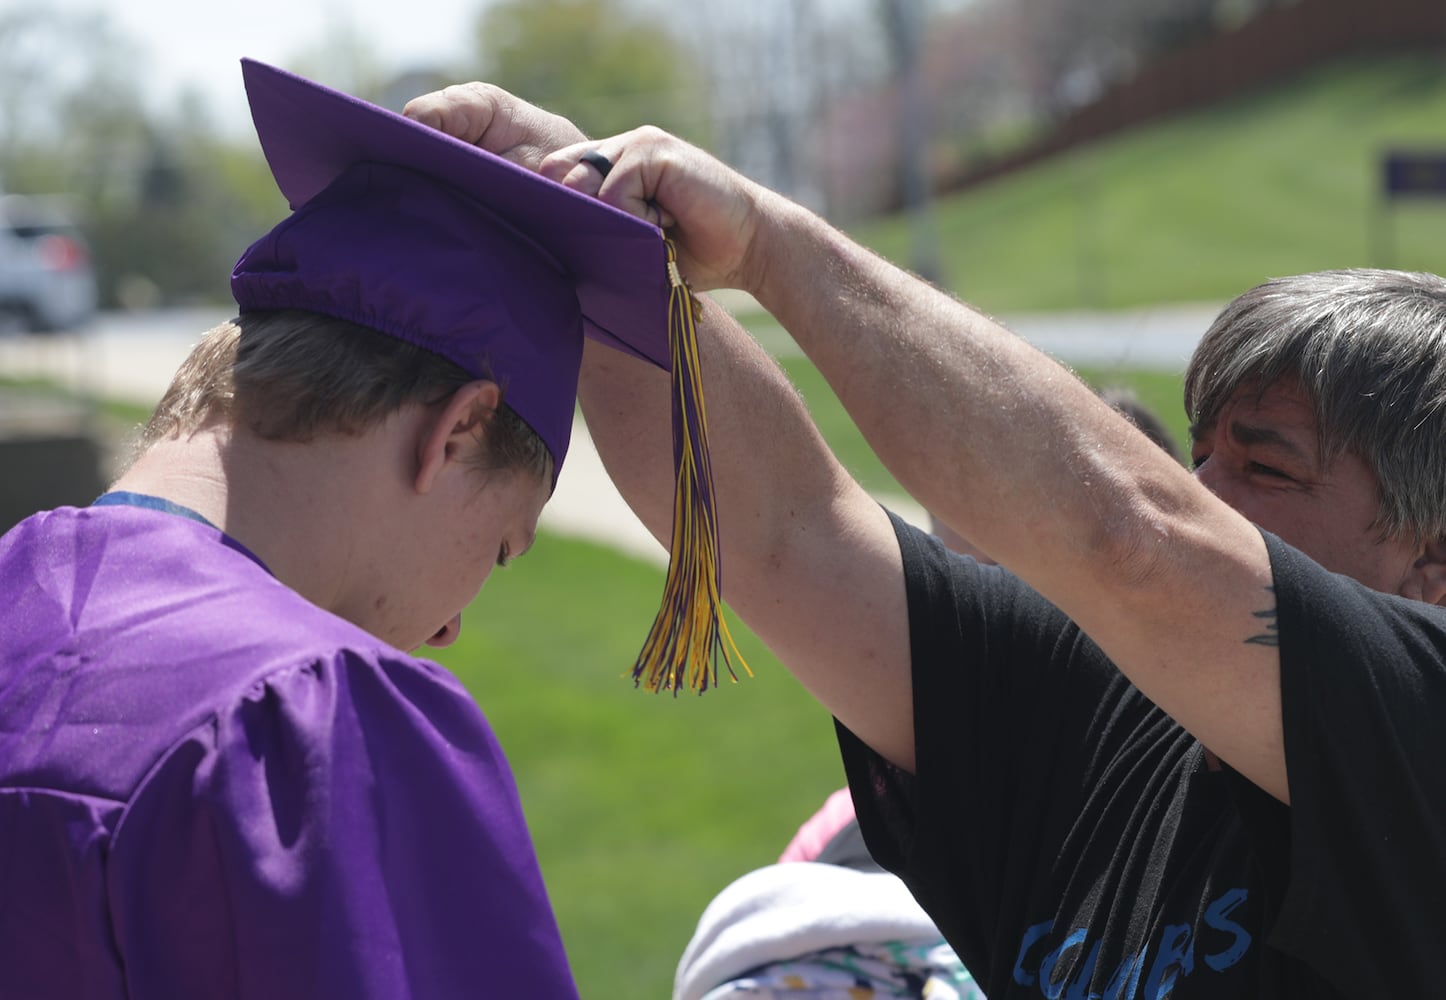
{"points": [[452, 427], [1426, 579]]}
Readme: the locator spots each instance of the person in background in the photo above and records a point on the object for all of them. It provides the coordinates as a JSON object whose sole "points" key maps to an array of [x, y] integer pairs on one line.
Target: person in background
{"points": [[824, 923]]}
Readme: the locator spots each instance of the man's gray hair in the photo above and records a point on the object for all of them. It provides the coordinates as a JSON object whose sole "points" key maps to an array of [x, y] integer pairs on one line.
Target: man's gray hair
{"points": [[1369, 349]]}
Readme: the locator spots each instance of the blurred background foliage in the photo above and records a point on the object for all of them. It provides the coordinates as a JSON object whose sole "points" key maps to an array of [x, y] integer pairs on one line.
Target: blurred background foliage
{"points": [[867, 110]]}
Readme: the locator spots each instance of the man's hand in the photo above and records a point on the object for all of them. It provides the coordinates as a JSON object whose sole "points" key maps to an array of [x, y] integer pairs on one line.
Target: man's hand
{"points": [[713, 214], [490, 117]]}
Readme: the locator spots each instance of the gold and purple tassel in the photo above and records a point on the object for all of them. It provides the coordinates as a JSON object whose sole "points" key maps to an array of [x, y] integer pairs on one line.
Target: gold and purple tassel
{"points": [[690, 635]]}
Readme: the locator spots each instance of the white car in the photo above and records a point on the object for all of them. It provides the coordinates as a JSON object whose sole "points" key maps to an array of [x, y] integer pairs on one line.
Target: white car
{"points": [[46, 279]]}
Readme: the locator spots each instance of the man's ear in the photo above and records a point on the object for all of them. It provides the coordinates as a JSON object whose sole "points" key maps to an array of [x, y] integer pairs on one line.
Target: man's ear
{"points": [[450, 428], [1426, 580]]}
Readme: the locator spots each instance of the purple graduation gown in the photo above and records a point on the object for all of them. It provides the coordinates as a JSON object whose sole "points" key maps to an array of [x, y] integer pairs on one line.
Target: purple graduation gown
{"points": [[211, 788]]}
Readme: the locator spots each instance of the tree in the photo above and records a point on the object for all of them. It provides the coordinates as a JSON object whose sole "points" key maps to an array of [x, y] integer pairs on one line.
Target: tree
{"points": [[774, 70], [69, 107], [597, 62], [166, 204]]}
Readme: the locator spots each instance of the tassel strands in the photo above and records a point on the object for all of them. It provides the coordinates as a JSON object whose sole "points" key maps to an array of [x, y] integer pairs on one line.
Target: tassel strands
{"points": [[690, 635]]}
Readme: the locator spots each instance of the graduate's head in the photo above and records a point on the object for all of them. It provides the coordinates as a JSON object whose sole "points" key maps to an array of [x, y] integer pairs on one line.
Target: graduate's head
{"points": [[1318, 405], [449, 250], [450, 481], [295, 376], [416, 271]]}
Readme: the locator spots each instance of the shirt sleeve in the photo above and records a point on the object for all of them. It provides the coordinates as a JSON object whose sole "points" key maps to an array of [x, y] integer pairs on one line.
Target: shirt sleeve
{"points": [[346, 828], [1363, 686]]}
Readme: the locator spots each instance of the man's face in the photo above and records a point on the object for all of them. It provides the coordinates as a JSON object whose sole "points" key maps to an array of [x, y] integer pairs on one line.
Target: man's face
{"points": [[1262, 457]]}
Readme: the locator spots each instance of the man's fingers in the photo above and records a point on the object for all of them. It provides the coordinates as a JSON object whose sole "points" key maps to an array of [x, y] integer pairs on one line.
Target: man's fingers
{"points": [[559, 165], [646, 209], [582, 166], [615, 171], [424, 109], [596, 174], [464, 111], [487, 116]]}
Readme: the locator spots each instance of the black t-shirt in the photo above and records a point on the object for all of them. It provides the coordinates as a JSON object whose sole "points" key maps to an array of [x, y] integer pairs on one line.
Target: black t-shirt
{"points": [[1071, 842]]}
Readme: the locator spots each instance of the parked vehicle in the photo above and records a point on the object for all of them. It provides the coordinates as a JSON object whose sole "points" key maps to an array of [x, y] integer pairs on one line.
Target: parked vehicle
{"points": [[46, 279]]}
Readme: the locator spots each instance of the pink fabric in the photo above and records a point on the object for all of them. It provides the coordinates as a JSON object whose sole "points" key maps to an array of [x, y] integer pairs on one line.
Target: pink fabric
{"points": [[820, 828]]}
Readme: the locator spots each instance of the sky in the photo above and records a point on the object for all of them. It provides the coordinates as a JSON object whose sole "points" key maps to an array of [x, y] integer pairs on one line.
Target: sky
{"points": [[198, 43]]}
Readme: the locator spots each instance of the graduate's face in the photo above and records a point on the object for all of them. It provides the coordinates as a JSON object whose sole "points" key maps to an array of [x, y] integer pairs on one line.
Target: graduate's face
{"points": [[433, 559], [494, 522], [1262, 456]]}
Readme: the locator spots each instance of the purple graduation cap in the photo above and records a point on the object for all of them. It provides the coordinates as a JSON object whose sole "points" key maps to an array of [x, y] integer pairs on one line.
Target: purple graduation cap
{"points": [[406, 230]]}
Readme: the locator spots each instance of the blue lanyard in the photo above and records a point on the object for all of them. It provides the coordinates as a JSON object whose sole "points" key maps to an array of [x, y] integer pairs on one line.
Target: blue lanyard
{"points": [[123, 498]]}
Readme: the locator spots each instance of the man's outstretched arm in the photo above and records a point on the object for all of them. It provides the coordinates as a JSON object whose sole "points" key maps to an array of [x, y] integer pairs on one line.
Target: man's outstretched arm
{"points": [[993, 436], [990, 434]]}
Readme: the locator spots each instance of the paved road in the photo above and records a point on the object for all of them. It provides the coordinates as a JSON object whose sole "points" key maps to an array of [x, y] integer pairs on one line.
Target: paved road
{"points": [[133, 356]]}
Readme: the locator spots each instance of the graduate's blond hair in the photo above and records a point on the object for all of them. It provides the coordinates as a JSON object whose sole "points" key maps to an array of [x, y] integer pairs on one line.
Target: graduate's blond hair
{"points": [[290, 375]]}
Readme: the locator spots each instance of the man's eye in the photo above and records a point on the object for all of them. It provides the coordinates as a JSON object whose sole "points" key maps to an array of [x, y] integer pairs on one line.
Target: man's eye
{"points": [[1198, 460], [1266, 470]]}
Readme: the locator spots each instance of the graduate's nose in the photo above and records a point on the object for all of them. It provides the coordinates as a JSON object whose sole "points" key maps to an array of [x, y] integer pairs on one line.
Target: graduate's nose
{"points": [[447, 634]]}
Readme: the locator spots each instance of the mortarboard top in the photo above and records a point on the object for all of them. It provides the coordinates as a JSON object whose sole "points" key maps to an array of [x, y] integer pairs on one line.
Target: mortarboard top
{"points": [[411, 232]]}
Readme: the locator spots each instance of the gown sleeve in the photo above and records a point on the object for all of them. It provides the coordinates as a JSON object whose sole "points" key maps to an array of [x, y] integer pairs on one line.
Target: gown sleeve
{"points": [[348, 827]]}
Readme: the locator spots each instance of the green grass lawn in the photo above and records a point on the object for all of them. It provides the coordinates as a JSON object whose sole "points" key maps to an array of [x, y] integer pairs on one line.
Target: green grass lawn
{"points": [[1201, 207], [121, 414]]}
